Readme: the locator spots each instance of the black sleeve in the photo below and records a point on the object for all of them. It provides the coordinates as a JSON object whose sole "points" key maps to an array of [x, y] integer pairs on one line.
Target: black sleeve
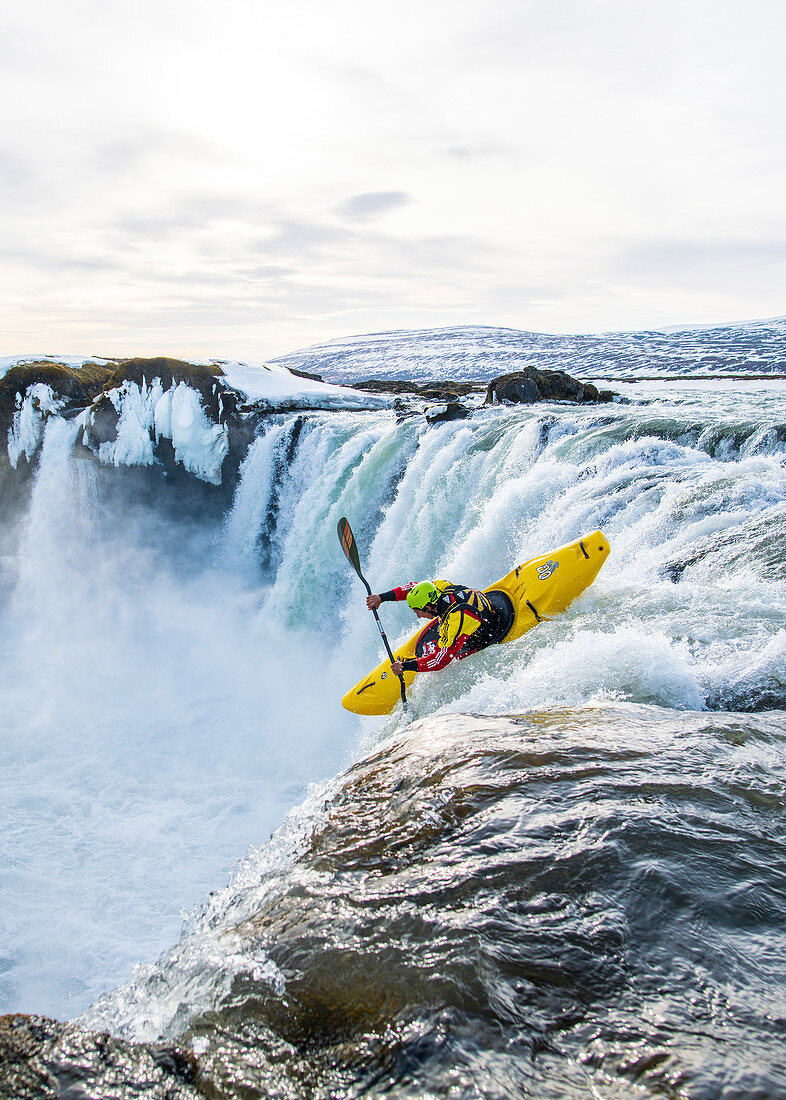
{"points": [[410, 664], [386, 597]]}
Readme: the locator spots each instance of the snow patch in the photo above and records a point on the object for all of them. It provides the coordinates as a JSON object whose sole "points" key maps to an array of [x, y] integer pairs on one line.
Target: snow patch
{"points": [[271, 384]]}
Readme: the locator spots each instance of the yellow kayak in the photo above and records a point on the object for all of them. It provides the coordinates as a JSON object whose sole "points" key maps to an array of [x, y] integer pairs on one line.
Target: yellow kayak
{"points": [[528, 594]]}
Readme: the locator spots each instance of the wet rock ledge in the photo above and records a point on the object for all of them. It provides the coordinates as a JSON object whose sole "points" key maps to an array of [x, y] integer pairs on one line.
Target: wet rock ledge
{"points": [[523, 387], [79, 387], [90, 385], [119, 401], [42, 1059], [530, 385]]}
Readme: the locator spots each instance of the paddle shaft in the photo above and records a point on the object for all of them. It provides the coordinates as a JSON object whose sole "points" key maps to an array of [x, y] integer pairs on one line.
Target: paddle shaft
{"points": [[349, 546]]}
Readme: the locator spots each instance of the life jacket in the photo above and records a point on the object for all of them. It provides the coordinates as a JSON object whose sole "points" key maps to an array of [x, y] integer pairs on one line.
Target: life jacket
{"points": [[461, 611]]}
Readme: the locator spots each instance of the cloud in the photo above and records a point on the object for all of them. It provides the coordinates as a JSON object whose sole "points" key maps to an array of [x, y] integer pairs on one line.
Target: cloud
{"points": [[302, 237], [673, 257], [142, 150], [478, 151], [198, 211], [371, 204], [579, 155]]}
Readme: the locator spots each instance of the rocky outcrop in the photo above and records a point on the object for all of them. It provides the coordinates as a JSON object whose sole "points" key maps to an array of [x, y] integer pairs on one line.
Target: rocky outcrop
{"points": [[454, 410], [42, 1059], [82, 386], [162, 420], [219, 401], [78, 387], [433, 390], [530, 385], [99, 389]]}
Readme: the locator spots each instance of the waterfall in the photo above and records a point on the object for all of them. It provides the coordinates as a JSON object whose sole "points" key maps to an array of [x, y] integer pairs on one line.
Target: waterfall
{"points": [[171, 684]]}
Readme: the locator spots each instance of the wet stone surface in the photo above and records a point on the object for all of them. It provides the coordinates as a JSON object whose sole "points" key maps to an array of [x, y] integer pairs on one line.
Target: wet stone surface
{"points": [[42, 1058]]}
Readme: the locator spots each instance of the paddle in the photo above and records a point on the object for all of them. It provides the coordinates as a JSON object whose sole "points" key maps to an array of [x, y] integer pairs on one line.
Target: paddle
{"points": [[349, 546]]}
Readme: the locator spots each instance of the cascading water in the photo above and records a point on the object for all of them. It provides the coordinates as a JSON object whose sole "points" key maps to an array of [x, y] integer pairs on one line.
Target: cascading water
{"points": [[467, 500], [172, 684]]}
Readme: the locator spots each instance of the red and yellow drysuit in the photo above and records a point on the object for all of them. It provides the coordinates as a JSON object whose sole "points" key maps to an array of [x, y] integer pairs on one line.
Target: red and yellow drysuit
{"points": [[462, 613]]}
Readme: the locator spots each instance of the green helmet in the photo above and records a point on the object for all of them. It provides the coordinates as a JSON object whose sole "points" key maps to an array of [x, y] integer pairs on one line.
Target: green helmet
{"points": [[422, 595]]}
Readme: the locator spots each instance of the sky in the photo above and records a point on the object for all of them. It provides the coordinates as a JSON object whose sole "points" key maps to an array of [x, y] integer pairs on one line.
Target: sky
{"points": [[245, 178]]}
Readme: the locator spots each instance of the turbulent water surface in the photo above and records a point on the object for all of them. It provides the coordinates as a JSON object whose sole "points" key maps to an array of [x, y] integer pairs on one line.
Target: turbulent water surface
{"points": [[565, 878]]}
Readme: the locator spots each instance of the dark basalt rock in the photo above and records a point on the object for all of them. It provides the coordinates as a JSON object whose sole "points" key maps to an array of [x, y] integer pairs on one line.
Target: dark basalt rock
{"points": [[454, 410], [522, 390], [102, 424], [530, 385], [306, 374], [434, 390], [42, 1059]]}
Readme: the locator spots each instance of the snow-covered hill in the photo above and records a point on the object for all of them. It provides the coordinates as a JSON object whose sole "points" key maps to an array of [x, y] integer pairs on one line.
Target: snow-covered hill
{"points": [[466, 352]]}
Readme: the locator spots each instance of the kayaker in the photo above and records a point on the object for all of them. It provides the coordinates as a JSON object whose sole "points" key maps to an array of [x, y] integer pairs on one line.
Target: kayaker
{"points": [[468, 621]]}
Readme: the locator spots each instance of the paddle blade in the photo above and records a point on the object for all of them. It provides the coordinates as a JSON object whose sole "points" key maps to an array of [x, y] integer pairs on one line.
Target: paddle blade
{"points": [[348, 545], [350, 548]]}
